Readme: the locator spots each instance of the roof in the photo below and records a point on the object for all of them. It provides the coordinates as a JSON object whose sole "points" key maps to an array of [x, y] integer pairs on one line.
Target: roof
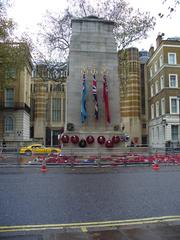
{"points": [[93, 18]]}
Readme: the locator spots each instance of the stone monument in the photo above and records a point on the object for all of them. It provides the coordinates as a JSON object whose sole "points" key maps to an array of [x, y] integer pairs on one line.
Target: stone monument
{"points": [[93, 101]]}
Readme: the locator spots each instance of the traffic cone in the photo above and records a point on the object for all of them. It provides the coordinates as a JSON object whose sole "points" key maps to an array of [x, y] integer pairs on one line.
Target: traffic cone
{"points": [[155, 166], [43, 167]]}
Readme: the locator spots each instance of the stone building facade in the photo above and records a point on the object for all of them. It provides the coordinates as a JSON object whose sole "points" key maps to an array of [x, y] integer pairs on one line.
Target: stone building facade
{"points": [[163, 75], [15, 95], [48, 104]]}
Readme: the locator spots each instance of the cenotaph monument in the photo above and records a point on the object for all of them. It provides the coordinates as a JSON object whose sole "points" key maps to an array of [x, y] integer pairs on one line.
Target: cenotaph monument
{"points": [[93, 101]]}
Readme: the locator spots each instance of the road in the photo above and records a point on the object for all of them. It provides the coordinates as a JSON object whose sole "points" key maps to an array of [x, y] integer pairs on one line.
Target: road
{"points": [[28, 196]]}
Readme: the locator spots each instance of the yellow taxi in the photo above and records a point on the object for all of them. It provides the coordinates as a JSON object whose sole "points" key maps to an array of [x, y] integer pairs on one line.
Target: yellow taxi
{"points": [[38, 148]]}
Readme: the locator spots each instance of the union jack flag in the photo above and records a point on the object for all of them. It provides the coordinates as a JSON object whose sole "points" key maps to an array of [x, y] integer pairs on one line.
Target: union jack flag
{"points": [[94, 91]]}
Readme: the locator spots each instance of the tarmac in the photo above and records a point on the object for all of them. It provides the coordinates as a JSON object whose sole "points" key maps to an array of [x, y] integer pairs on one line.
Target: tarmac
{"points": [[155, 228]]}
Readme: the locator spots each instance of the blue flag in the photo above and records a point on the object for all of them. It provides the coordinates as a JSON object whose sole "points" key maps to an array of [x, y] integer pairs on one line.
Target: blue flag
{"points": [[83, 101], [94, 90]]}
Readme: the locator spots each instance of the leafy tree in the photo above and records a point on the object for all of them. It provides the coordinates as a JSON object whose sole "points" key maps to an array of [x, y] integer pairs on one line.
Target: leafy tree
{"points": [[6, 25], [130, 25], [14, 53], [13, 57]]}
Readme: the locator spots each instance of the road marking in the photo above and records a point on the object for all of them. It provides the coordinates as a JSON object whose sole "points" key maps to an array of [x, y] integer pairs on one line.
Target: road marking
{"points": [[83, 229], [84, 226]]}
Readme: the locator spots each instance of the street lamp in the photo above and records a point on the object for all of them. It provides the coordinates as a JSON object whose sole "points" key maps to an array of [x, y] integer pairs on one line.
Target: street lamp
{"points": [[179, 119], [164, 124]]}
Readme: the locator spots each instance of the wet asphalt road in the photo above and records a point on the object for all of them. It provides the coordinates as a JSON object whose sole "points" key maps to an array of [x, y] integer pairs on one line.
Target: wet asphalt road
{"points": [[28, 196]]}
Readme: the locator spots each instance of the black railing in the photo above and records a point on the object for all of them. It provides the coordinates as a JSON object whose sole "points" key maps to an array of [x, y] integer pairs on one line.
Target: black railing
{"points": [[14, 106]]}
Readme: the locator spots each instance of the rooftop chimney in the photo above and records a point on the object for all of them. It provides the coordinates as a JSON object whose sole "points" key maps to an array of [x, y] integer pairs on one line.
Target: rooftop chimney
{"points": [[159, 39], [151, 51]]}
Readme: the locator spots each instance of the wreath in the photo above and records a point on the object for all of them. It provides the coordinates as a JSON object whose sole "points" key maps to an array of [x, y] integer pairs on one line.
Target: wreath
{"points": [[115, 139], [65, 138], [126, 138], [70, 126], [116, 127], [101, 139], [82, 143], [90, 139], [122, 138], [109, 143], [74, 139]]}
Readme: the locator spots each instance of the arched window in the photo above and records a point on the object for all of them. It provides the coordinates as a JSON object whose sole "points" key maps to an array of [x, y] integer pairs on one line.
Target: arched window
{"points": [[8, 124]]}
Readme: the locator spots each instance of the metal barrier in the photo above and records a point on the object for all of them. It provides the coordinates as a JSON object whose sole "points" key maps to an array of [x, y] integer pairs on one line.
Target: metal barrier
{"points": [[89, 156], [9, 155]]}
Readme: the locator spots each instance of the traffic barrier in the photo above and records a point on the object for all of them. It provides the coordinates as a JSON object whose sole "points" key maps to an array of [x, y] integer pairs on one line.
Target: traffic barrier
{"points": [[155, 166], [43, 166]]}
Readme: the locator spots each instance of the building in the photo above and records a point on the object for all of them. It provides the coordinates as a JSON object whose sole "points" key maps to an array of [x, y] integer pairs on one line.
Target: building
{"points": [[15, 82], [48, 87], [143, 57], [163, 75], [133, 94], [129, 73]]}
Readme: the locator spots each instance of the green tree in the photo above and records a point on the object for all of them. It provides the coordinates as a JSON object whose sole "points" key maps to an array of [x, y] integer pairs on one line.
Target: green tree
{"points": [[14, 53], [6, 25], [131, 25]]}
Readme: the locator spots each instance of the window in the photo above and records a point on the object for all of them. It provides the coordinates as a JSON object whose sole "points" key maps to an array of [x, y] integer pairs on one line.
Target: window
{"points": [[156, 87], [157, 109], [8, 124], [56, 109], [174, 132], [161, 60], [151, 72], [152, 111], [57, 87], [64, 109], [171, 58], [152, 91], [157, 131], [155, 67], [164, 132], [173, 83], [162, 106], [10, 73], [9, 97], [162, 82], [152, 134], [174, 105]]}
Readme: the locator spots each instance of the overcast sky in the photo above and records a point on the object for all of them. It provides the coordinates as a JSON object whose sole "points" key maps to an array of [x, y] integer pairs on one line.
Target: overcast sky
{"points": [[28, 13]]}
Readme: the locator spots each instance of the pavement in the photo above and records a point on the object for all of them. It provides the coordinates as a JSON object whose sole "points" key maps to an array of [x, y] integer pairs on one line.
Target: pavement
{"points": [[160, 228]]}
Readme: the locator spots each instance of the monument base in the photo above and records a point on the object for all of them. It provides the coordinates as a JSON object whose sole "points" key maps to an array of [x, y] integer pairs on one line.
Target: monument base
{"points": [[93, 143]]}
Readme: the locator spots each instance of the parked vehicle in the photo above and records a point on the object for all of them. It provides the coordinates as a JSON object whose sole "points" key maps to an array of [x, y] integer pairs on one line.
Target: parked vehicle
{"points": [[39, 149]]}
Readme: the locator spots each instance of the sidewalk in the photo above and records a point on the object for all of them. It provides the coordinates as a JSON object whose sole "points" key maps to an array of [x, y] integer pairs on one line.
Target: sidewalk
{"points": [[161, 230]]}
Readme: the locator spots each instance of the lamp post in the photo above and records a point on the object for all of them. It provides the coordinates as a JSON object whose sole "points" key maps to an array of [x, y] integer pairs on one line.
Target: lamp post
{"points": [[179, 120], [164, 124]]}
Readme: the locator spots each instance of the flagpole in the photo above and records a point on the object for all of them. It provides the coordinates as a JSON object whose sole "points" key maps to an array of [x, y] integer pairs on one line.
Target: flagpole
{"points": [[84, 114]]}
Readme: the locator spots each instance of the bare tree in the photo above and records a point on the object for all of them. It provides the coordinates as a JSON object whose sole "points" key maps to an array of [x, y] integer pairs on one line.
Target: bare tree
{"points": [[171, 7], [131, 25]]}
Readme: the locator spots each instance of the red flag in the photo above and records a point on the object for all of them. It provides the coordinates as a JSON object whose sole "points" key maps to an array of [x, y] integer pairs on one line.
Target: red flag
{"points": [[106, 100]]}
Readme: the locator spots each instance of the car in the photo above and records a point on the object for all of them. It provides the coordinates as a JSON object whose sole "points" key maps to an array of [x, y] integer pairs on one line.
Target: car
{"points": [[38, 149]]}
